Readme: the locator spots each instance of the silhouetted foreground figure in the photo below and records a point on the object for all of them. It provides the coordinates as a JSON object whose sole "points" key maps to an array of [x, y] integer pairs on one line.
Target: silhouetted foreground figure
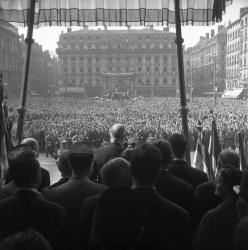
{"points": [[115, 173], [171, 187], [179, 166], [118, 221], [71, 194], [241, 235], [28, 240], [64, 168], [166, 225], [45, 176], [27, 208], [110, 151], [206, 197], [217, 227]]}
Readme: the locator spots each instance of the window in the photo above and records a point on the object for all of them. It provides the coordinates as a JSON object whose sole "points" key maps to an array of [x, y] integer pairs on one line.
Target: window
{"points": [[148, 82], [165, 81]]}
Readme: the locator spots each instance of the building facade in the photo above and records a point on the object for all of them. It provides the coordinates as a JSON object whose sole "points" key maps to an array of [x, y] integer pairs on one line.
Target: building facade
{"points": [[209, 62], [42, 71], [96, 62], [233, 52], [244, 45], [11, 60]]}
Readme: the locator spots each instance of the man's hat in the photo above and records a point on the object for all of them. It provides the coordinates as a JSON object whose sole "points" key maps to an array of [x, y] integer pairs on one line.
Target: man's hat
{"points": [[81, 150]]}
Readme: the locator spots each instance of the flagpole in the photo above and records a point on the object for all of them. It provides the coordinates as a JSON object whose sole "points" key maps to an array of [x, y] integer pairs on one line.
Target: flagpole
{"points": [[29, 41], [184, 110]]}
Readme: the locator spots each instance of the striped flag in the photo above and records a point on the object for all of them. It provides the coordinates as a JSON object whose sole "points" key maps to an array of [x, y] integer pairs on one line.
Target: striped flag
{"points": [[198, 157], [241, 152], [207, 160], [214, 146], [202, 158], [3, 149]]}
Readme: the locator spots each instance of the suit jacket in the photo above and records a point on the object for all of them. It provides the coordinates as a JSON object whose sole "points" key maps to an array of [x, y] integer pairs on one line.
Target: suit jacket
{"points": [[28, 209], [45, 179], [103, 155], [217, 227], [86, 219], [193, 176], [206, 198], [71, 195], [166, 225], [177, 191]]}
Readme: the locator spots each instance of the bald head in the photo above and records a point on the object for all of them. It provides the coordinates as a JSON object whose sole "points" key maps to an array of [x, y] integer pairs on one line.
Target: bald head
{"points": [[228, 156], [117, 132]]}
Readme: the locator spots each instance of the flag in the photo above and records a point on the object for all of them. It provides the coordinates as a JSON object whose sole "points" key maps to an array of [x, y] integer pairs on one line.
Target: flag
{"points": [[246, 148], [3, 149], [207, 159], [198, 157], [214, 146], [241, 152]]}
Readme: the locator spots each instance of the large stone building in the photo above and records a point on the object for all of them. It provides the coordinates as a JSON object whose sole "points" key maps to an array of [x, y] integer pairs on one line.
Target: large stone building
{"points": [[96, 62], [233, 52], [209, 62], [43, 70], [11, 60], [244, 45]]}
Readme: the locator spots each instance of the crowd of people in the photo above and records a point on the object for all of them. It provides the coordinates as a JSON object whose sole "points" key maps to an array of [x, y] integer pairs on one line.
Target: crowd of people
{"points": [[73, 119], [144, 197]]}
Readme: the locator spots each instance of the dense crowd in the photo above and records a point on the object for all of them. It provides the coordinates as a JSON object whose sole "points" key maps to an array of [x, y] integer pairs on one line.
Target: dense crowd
{"points": [[70, 119], [141, 198]]}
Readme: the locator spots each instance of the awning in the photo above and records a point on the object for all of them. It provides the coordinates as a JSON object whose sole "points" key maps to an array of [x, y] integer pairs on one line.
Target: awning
{"points": [[232, 93], [112, 12]]}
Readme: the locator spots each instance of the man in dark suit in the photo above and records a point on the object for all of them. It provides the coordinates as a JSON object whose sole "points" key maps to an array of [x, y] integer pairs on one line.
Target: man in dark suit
{"points": [[112, 150], [206, 198], [171, 187], [166, 225], [115, 173], [27, 208], [45, 176], [217, 227], [179, 166], [71, 194], [64, 168]]}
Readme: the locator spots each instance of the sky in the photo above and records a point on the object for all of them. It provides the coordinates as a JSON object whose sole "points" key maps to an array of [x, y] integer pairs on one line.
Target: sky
{"points": [[49, 36]]}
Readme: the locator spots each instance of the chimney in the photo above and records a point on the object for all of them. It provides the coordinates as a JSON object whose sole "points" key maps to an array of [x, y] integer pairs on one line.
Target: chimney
{"points": [[201, 38], [207, 36], [68, 30], [212, 33]]}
